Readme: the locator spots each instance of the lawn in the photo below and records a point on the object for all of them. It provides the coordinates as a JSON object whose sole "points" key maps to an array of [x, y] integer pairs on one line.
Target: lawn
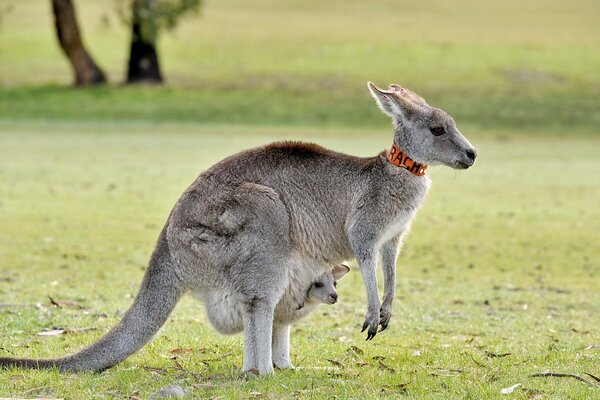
{"points": [[498, 280], [494, 65]]}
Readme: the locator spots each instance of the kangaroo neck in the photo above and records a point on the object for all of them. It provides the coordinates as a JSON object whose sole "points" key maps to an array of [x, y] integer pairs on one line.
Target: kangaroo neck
{"points": [[398, 154], [400, 159]]}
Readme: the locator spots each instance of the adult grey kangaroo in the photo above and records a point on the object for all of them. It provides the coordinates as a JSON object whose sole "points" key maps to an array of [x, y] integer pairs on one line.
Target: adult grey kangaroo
{"points": [[261, 223]]}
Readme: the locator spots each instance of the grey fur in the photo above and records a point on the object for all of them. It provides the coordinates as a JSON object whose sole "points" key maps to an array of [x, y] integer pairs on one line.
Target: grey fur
{"points": [[258, 226], [291, 310], [225, 311]]}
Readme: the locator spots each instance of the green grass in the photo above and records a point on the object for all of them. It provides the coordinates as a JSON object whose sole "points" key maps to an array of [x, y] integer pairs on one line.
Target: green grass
{"points": [[498, 66], [502, 258]]}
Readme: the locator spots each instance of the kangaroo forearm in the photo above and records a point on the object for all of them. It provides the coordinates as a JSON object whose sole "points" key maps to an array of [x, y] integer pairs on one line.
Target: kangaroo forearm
{"points": [[389, 254]]}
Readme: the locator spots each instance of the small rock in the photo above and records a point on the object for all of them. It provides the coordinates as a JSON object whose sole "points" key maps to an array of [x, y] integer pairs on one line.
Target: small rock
{"points": [[169, 392]]}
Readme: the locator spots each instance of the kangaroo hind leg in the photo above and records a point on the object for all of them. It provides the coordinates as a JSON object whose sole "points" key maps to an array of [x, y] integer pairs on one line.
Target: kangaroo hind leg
{"points": [[262, 272]]}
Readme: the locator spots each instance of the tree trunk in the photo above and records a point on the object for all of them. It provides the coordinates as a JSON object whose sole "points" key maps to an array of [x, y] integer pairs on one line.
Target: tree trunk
{"points": [[86, 70], [143, 59]]}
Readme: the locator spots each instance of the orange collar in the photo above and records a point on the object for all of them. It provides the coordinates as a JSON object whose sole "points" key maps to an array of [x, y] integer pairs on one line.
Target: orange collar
{"points": [[402, 160]]}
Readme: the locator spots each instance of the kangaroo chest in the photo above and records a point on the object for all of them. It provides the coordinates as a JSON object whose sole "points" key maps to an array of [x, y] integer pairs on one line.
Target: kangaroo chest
{"points": [[400, 204]]}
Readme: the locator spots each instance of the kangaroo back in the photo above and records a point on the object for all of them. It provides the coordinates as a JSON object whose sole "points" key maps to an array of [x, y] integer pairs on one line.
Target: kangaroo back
{"points": [[160, 291]]}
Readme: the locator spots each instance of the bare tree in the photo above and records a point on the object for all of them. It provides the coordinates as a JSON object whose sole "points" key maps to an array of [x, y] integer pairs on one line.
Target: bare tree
{"points": [[86, 70]]}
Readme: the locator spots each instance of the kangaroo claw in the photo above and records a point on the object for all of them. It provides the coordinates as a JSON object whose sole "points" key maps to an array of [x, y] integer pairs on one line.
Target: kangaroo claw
{"points": [[385, 315], [373, 326]]}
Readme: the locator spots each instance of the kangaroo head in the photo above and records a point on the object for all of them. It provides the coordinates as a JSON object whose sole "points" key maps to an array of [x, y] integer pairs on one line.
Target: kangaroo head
{"points": [[323, 289], [427, 134]]}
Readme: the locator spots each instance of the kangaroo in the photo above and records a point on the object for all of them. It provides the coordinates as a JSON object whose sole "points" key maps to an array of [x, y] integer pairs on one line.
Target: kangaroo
{"points": [[258, 222], [226, 314], [290, 310]]}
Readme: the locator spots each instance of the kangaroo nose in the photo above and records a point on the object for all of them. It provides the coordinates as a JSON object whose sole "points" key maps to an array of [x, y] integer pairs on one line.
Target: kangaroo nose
{"points": [[334, 297], [471, 154]]}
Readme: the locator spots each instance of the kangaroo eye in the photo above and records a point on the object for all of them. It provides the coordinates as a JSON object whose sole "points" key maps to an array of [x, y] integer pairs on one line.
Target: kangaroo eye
{"points": [[334, 284], [437, 130], [318, 285]]}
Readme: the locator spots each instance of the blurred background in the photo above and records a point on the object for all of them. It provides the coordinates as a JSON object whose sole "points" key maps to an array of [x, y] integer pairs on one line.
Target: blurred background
{"points": [[530, 66]]}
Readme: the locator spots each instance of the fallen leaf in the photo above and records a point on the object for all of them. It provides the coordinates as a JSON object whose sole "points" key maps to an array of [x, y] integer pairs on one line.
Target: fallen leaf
{"points": [[496, 355], [510, 389], [401, 385], [336, 363], [580, 331], [451, 371], [79, 330], [219, 358], [177, 364], [52, 332], [135, 395], [356, 350], [593, 377], [385, 367], [479, 364], [562, 375], [391, 389], [181, 351], [62, 331], [65, 304]]}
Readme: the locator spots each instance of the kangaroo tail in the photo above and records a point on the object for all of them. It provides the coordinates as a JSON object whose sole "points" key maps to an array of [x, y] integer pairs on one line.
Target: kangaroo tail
{"points": [[160, 291]]}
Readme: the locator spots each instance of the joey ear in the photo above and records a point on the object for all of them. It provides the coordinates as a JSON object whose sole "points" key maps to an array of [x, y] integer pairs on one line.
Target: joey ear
{"points": [[339, 271], [391, 101]]}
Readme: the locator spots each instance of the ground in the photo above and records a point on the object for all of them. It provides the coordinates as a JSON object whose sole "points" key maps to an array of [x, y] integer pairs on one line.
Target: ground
{"points": [[502, 259], [497, 280]]}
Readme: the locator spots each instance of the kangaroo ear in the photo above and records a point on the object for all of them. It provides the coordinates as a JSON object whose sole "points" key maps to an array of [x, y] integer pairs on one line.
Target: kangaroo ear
{"points": [[339, 271], [394, 101]]}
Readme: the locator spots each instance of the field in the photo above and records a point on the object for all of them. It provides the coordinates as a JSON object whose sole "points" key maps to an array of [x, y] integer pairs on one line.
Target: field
{"points": [[495, 66], [498, 280]]}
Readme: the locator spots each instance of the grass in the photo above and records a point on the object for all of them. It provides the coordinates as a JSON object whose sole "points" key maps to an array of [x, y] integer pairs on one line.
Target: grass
{"points": [[502, 259], [499, 66], [498, 279]]}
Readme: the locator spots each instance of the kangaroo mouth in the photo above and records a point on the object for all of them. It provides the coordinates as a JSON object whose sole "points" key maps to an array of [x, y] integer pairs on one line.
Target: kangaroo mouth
{"points": [[461, 165]]}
